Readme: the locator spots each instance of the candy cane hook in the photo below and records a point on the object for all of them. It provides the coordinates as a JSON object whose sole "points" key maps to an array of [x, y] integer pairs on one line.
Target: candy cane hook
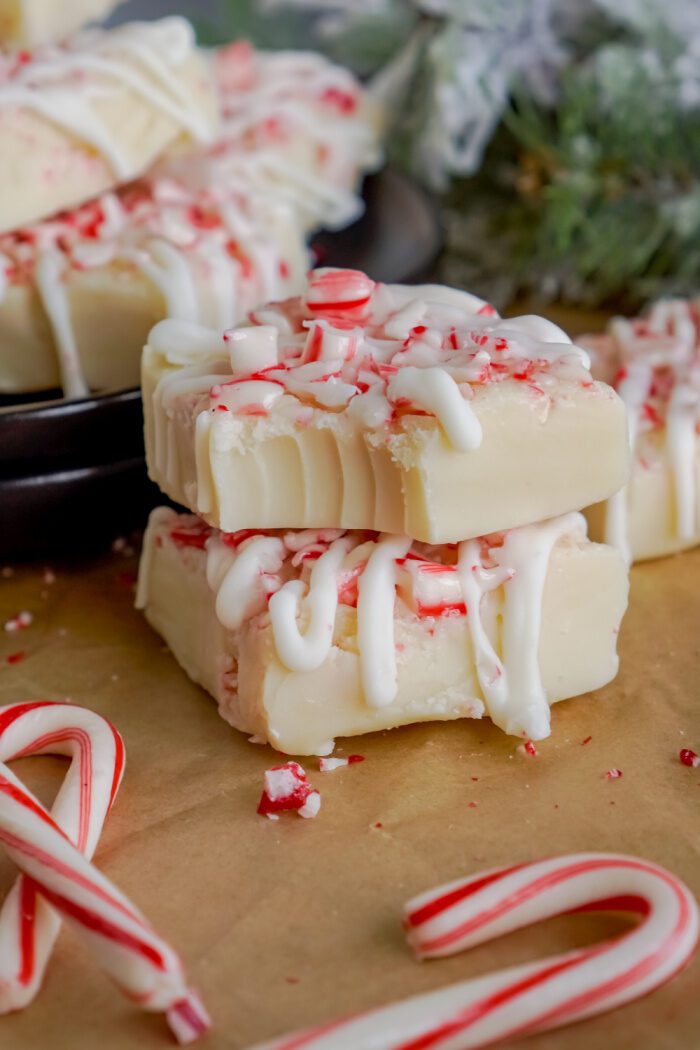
{"points": [[57, 875], [537, 996]]}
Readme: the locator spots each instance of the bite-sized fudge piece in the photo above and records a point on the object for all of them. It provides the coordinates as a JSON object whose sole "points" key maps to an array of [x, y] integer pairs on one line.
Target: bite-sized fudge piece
{"points": [[359, 405], [295, 127], [82, 290], [654, 364], [96, 111], [303, 637], [30, 23], [204, 237]]}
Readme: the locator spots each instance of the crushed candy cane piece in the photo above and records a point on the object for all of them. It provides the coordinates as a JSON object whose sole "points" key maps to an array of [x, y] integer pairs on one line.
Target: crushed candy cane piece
{"points": [[689, 758], [311, 806], [23, 620], [614, 774], [528, 748], [287, 788], [16, 658], [327, 765]]}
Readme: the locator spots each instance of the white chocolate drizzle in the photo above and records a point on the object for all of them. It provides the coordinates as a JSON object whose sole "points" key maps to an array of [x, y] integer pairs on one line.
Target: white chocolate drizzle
{"points": [[50, 283], [375, 621], [305, 652], [299, 580]]}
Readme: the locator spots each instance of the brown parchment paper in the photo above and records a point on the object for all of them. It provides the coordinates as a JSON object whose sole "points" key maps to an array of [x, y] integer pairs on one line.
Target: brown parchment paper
{"points": [[288, 923]]}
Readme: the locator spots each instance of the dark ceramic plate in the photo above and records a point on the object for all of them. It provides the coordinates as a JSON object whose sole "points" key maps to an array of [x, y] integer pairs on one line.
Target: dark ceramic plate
{"points": [[64, 462]]}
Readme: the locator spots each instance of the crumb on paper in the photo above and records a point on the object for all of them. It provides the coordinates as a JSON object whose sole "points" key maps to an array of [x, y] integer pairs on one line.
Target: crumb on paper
{"points": [[327, 765], [586, 740], [527, 748], [311, 806], [16, 658], [689, 758], [614, 774], [287, 788], [19, 622]]}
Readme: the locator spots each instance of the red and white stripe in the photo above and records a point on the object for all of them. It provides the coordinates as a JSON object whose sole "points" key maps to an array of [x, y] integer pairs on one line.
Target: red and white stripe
{"points": [[58, 881], [537, 996]]}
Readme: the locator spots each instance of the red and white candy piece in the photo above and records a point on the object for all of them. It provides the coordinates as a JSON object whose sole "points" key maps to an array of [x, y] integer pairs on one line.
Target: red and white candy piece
{"points": [[287, 788], [339, 295], [58, 881], [537, 996]]}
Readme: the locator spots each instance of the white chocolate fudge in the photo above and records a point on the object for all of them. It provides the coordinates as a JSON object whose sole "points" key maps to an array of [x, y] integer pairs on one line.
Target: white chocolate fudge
{"points": [[303, 637], [97, 111], [654, 363], [81, 291], [295, 127], [31, 23], [414, 410], [203, 238]]}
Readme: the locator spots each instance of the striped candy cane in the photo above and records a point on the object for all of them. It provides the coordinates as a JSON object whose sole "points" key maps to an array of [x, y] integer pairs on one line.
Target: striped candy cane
{"points": [[536, 996], [52, 852]]}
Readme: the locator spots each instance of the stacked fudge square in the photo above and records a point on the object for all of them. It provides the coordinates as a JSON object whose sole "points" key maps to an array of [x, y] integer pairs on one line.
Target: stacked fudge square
{"points": [[143, 178], [384, 485]]}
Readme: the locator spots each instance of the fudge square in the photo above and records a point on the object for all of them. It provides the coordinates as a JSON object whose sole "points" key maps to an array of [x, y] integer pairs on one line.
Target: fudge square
{"points": [[653, 362], [306, 636], [357, 405]]}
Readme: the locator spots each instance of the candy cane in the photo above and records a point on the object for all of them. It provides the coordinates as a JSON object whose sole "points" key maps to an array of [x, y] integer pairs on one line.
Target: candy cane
{"points": [[52, 852], [537, 996]]}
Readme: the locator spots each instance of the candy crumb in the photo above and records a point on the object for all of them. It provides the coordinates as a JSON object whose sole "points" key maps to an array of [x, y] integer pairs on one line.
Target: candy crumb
{"points": [[689, 758], [614, 774], [311, 806], [287, 788], [528, 748], [16, 658], [327, 765], [21, 621], [587, 740]]}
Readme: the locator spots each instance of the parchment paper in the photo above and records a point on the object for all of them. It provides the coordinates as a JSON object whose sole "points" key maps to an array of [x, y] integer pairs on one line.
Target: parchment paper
{"points": [[288, 923]]}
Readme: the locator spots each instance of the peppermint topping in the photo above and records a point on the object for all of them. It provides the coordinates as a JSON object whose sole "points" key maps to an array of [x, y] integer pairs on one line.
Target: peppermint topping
{"points": [[384, 352], [287, 788], [689, 758]]}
